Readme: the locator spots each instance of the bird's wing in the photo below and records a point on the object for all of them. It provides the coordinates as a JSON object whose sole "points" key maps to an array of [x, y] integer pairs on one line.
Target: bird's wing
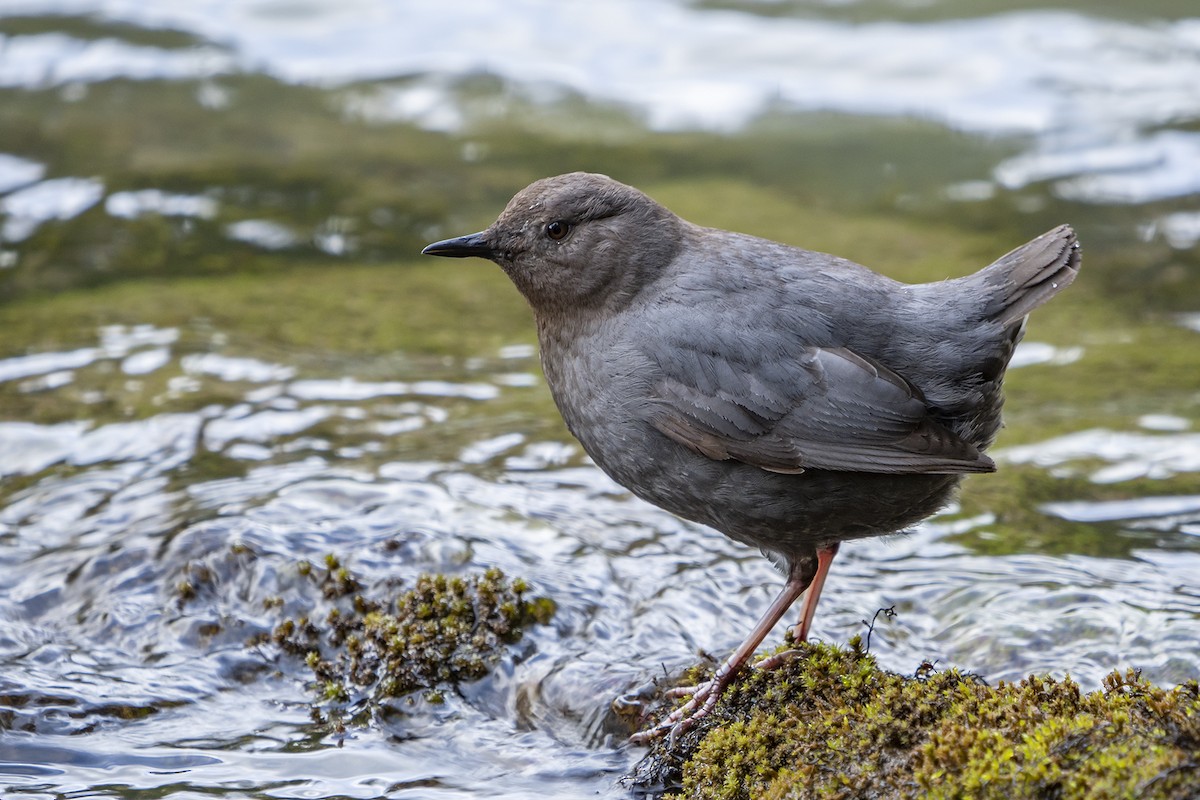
{"points": [[814, 408]]}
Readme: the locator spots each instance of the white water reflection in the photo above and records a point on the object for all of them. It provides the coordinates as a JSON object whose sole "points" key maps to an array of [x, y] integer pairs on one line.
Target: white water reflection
{"points": [[265, 233], [1130, 454], [1163, 422], [1181, 229], [263, 426], [26, 209], [131, 205], [1133, 508], [117, 340], [479, 452], [352, 389], [54, 59], [45, 363], [1096, 96], [146, 361], [16, 172], [231, 368], [1163, 165], [1190, 320], [1029, 353], [30, 448]]}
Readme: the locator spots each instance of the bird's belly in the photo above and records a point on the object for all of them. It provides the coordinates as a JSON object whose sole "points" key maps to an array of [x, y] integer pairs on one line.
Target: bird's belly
{"points": [[784, 513]]}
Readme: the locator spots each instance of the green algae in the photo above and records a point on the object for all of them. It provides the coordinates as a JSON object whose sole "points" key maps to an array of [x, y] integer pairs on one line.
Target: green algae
{"points": [[1015, 499], [869, 11], [830, 723], [367, 650], [94, 28]]}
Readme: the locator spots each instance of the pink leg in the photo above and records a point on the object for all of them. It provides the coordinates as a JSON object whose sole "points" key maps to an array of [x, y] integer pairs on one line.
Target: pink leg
{"points": [[800, 576], [809, 607]]}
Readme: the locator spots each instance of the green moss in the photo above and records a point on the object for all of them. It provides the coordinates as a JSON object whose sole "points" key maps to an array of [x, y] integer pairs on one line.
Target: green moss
{"points": [[186, 591], [831, 724], [415, 307], [200, 579], [442, 632]]}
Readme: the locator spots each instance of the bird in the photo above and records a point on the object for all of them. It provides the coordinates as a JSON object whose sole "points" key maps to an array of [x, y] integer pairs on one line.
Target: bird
{"points": [[790, 399]]}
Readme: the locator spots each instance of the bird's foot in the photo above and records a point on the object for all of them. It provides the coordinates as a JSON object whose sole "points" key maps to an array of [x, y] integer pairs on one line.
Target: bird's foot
{"points": [[684, 718], [704, 697], [776, 661], [684, 691]]}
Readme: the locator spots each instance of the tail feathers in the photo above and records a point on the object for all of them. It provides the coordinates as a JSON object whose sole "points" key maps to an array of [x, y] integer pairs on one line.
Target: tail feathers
{"points": [[1031, 274]]}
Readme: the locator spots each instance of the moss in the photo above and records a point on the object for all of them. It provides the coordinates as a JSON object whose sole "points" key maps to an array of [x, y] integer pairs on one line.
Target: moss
{"points": [[444, 631], [831, 724], [202, 578]]}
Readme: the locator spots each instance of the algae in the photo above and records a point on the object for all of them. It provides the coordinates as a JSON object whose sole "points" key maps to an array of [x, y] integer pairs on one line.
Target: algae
{"points": [[830, 723]]}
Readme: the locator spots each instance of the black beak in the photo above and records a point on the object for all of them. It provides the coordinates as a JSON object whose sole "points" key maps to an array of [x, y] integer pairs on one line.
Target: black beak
{"points": [[475, 244]]}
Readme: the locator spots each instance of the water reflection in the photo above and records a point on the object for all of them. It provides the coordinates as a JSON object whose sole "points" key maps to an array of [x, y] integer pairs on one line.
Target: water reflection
{"points": [[1129, 454], [60, 198]]}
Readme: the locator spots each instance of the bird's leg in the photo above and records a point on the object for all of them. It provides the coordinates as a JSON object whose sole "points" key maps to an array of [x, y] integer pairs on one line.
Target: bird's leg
{"points": [[808, 608], [800, 575]]}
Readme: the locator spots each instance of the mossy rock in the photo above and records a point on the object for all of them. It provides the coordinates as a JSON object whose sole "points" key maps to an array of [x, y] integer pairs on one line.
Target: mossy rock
{"points": [[831, 724], [444, 631]]}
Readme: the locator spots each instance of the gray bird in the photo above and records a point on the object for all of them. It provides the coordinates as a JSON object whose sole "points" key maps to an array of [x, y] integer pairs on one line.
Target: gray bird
{"points": [[790, 399]]}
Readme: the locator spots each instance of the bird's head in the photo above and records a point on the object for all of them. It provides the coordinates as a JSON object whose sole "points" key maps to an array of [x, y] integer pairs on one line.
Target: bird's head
{"points": [[575, 241]]}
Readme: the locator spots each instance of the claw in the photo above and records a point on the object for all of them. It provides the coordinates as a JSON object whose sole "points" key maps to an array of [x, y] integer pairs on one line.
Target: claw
{"points": [[684, 718], [684, 691]]}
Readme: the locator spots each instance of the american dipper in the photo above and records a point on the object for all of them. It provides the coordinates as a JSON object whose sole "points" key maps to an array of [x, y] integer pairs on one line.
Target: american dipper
{"points": [[790, 399]]}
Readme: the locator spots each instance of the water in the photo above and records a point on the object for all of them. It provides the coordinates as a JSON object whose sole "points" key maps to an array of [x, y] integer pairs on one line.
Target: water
{"points": [[221, 356]]}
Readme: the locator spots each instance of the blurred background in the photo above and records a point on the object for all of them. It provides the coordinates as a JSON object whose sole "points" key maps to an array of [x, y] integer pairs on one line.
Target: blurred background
{"points": [[220, 355]]}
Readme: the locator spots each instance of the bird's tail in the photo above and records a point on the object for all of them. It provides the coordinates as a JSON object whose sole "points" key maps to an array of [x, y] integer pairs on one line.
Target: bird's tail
{"points": [[1030, 275]]}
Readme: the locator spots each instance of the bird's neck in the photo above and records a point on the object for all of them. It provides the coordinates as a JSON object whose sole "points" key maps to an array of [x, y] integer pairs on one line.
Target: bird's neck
{"points": [[560, 329]]}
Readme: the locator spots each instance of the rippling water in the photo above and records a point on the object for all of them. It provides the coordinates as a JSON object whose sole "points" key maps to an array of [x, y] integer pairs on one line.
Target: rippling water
{"points": [[112, 682], [138, 455]]}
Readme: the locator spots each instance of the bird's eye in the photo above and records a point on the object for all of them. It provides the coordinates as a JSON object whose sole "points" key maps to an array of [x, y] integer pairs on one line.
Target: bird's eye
{"points": [[558, 230]]}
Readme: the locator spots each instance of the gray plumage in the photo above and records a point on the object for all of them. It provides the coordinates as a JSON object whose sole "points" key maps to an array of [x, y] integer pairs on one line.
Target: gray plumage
{"points": [[790, 399], [785, 397]]}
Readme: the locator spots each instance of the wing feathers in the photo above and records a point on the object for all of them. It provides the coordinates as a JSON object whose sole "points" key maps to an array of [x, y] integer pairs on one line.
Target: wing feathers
{"points": [[829, 408]]}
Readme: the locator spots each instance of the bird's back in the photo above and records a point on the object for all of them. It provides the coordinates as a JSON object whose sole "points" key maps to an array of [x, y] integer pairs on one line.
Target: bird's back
{"points": [[959, 335], [951, 339]]}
